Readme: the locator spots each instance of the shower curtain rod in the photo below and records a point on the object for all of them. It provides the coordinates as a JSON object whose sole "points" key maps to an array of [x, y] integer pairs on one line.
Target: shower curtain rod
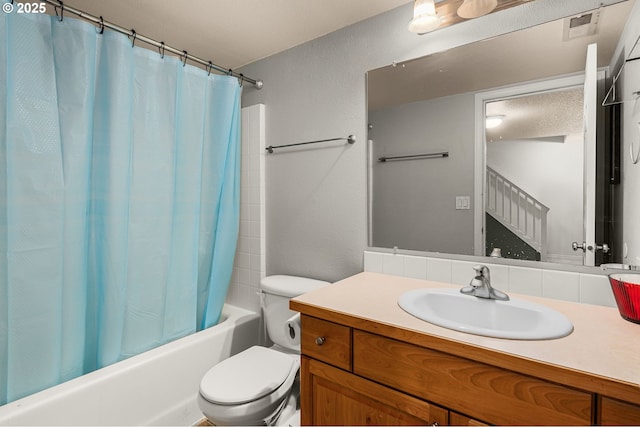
{"points": [[162, 48]]}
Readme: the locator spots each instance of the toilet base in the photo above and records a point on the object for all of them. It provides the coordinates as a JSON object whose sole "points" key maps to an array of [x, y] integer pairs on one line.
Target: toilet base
{"points": [[290, 415], [292, 421]]}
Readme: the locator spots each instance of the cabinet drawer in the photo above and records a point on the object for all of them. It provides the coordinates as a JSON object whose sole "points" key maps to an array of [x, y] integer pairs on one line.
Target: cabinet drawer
{"points": [[615, 412], [478, 390], [326, 341]]}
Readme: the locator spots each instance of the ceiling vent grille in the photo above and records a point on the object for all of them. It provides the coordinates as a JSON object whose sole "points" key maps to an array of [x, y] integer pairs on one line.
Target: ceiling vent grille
{"points": [[581, 26]]}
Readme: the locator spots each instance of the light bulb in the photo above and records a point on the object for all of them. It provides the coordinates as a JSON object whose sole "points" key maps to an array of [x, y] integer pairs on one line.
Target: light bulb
{"points": [[493, 121], [475, 8], [425, 18]]}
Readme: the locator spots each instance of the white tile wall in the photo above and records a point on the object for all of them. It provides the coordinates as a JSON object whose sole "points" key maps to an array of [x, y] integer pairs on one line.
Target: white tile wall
{"points": [[393, 264], [373, 262], [592, 291], [523, 280], [415, 267], [563, 285], [249, 265], [438, 270]]}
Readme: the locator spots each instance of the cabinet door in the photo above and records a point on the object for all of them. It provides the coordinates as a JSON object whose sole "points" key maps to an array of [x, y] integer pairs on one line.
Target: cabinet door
{"points": [[334, 397], [456, 419], [617, 413]]}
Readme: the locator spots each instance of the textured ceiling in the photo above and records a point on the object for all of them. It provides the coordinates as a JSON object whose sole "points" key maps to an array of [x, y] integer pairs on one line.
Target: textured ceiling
{"points": [[550, 115], [233, 33]]}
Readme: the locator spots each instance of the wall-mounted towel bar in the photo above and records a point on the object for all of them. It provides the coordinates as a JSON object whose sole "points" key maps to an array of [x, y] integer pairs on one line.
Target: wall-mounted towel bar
{"points": [[350, 139], [415, 156]]}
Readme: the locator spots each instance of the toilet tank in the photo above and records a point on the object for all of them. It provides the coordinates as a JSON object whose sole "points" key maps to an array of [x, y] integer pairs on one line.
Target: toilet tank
{"points": [[278, 290]]}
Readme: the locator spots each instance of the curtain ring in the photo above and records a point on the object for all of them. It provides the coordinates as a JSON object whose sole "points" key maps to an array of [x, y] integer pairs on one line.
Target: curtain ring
{"points": [[161, 50], [184, 60], [61, 16], [229, 72], [209, 68], [133, 37], [101, 26], [241, 79]]}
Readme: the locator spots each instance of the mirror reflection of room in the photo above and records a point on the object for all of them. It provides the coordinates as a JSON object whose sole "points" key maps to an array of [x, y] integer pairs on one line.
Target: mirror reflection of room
{"points": [[534, 166], [516, 190]]}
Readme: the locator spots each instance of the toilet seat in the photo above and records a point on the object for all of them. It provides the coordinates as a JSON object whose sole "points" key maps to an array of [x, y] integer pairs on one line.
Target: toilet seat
{"points": [[243, 377], [240, 391]]}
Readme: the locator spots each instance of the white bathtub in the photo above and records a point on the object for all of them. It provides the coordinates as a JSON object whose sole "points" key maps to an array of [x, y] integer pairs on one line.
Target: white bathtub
{"points": [[158, 387]]}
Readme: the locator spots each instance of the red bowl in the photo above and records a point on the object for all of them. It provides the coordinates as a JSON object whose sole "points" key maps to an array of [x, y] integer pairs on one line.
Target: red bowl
{"points": [[626, 290]]}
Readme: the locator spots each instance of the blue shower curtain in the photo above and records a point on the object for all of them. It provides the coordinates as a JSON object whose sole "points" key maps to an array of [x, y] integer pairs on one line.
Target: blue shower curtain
{"points": [[119, 199]]}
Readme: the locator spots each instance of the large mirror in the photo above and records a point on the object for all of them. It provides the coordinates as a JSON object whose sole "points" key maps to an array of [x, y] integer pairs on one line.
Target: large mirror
{"points": [[484, 149]]}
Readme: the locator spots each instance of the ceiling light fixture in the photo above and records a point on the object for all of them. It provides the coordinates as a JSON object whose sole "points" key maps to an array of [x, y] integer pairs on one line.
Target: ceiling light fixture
{"points": [[493, 121], [425, 18], [475, 8]]}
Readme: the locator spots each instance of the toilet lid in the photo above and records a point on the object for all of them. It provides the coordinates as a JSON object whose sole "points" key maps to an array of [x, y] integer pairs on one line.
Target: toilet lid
{"points": [[247, 376]]}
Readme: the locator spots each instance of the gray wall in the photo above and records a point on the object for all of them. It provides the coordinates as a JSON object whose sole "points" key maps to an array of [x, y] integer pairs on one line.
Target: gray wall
{"points": [[414, 200], [316, 209]]}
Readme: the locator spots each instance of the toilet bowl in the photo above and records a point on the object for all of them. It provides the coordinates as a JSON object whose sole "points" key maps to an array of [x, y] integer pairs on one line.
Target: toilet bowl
{"points": [[250, 388], [260, 384]]}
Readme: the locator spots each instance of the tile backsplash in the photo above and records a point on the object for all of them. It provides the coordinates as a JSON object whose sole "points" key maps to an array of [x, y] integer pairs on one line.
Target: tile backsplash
{"points": [[562, 285]]}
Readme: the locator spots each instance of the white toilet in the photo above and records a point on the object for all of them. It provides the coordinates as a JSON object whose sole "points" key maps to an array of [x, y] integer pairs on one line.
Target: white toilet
{"points": [[259, 386]]}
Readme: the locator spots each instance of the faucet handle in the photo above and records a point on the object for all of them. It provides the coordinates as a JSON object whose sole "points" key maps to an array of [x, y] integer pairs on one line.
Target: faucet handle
{"points": [[480, 269]]}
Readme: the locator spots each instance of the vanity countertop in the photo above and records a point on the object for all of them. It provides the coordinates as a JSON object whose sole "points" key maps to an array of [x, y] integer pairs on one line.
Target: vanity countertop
{"points": [[601, 355]]}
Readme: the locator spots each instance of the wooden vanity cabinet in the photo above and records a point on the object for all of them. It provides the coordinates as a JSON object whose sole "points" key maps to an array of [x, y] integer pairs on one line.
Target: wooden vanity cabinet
{"points": [[332, 396], [613, 412], [326, 341], [353, 377], [366, 361], [497, 395], [456, 419]]}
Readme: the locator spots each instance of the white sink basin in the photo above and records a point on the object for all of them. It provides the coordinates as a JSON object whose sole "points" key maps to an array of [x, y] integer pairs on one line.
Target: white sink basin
{"points": [[514, 319]]}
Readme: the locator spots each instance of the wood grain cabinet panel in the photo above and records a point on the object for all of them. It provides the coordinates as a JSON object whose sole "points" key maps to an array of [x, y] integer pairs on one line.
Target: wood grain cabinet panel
{"points": [[479, 390], [341, 398], [456, 419], [614, 412], [326, 341]]}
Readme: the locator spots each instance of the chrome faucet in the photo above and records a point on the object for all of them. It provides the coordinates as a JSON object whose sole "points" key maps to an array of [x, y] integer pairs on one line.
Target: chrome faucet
{"points": [[480, 285]]}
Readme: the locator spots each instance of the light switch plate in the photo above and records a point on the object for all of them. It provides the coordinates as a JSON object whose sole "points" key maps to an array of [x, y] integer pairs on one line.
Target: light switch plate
{"points": [[463, 202]]}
